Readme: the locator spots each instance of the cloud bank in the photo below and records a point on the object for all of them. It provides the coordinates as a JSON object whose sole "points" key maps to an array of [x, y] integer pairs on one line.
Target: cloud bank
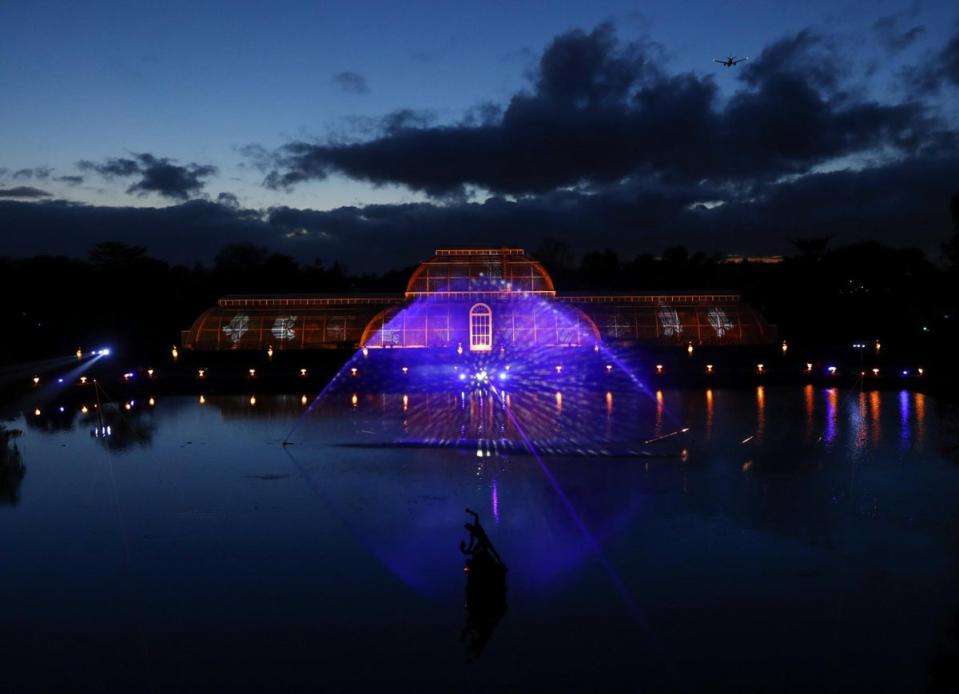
{"points": [[154, 174]]}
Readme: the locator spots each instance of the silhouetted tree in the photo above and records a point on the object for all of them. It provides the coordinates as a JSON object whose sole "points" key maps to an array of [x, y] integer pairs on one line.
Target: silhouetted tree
{"points": [[811, 248], [281, 272], [601, 269], [122, 296], [554, 254], [116, 254], [676, 256], [240, 258]]}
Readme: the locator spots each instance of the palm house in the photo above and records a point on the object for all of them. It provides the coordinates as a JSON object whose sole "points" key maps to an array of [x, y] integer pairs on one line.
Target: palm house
{"points": [[477, 300]]}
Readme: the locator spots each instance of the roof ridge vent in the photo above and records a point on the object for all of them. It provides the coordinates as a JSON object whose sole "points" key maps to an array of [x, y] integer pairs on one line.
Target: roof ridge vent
{"points": [[479, 251]]}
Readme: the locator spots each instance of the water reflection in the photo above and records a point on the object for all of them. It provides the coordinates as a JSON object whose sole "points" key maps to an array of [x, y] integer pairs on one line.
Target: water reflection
{"points": [[905, 430], [949, 417], [125, 432], [12, 469], [51, 420], [875, 421], [117, 427], [387, 513], [832, 415], [609, 414], [421, 456], [607, 423], [485, 588], [709, 414], [919, 402], [760, 413], [658, 430], [809, 399], [858, 422]]}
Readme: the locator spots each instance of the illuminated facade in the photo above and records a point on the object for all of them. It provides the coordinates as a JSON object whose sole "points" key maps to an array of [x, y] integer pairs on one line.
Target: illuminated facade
{"points": [[476, 300]]}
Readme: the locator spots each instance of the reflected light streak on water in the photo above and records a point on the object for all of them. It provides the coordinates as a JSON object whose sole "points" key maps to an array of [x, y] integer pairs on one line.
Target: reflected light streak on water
{"points": [[875, 420], [857, 417], [658, 430], [709, 414], [390, 515], [760, 413], [905, 433], [527, 373], [919, 400], [609, 415], [832, 415]]}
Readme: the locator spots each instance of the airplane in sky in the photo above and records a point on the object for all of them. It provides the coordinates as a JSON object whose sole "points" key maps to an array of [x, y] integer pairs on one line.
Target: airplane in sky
{"points": [[730, 60]]}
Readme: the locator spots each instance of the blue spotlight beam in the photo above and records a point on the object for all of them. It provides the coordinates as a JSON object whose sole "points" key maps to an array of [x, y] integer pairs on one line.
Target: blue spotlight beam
{"points": [[47, 391], [319, 397], [26, 370], [571, 510], [562, 355], [533, 370], [591, 542]]}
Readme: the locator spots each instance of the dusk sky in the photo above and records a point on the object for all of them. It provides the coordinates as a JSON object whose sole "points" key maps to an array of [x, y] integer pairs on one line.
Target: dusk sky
{"points": [[373, 132]]}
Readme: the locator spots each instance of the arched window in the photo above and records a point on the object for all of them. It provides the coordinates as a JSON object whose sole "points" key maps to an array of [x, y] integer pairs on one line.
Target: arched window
{"points": [[481, 328]]}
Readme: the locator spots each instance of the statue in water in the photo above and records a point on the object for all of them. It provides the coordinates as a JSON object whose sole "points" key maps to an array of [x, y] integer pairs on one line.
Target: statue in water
{"points": [[485, 587]]}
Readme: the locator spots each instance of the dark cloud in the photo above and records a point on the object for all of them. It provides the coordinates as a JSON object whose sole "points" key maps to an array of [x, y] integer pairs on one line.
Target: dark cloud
{"points": [[351, 82], [894, 36], [628, 217], [949, 58], [600, 110], [404, 119], [904, 202], [939, 70], [228, 200], [579, 69], [358, 128], [112, 167], [71, 180], [183, 233], [23, 192], [40, 173], [806, 55], [604, 149], [486, 113], [259, 157], [158, 175]]}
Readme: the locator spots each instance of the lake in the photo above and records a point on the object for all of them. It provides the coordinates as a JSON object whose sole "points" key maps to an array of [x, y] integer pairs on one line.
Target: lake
{"points": [[794, 538]]}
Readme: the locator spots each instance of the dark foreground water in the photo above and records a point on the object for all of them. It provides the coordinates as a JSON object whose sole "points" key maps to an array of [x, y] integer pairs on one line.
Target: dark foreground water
{"points": [[190, 550]]}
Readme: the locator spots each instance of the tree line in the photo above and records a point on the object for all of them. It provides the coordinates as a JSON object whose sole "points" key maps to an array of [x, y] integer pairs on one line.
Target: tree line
{"points": [[820, 293]]}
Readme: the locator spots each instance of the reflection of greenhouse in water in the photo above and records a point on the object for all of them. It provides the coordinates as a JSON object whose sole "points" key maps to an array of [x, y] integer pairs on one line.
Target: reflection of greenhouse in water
{"points": [[574, 422], [476, 300]]}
